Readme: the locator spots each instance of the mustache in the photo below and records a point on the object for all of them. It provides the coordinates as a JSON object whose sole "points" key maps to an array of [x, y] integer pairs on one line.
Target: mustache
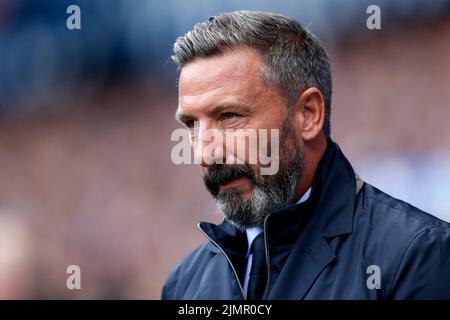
{"points": [[218, 174]]}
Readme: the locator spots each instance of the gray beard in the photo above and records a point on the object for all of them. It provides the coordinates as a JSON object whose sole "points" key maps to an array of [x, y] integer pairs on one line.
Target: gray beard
{"points": [[270, 194]]}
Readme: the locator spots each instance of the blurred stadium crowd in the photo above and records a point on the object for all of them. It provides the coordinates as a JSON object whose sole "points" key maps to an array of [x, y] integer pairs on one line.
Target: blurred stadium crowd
{"points": [[86, 117]]}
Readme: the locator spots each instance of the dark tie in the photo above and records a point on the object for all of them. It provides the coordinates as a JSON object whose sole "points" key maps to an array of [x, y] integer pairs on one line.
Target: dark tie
{"points": [[258, 271]]}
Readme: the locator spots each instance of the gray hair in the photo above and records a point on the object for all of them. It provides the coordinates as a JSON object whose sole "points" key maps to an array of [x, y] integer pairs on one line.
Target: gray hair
{"points": [[292, 57]]}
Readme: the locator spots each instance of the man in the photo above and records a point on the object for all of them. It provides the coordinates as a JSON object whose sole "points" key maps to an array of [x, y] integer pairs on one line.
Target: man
{"points": [[313, 230]]}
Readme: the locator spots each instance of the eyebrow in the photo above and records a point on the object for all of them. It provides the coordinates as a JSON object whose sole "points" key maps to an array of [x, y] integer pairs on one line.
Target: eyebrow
{"points": [[224, 106], [183, 117]]}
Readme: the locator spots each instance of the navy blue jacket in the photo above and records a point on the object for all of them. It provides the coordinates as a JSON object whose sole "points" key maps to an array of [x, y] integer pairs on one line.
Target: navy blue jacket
{"points": [[348, 241]]}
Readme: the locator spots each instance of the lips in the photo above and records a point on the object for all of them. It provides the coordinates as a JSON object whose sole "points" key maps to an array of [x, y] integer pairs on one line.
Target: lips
{"points": [[221, 176]]}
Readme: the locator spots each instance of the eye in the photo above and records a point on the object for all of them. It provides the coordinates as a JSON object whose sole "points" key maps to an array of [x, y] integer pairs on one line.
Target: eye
{"points": [[228, 115], [189, 123]]}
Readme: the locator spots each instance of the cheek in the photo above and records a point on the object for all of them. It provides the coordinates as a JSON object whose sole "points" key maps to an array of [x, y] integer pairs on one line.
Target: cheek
{"points": [[242, 146]]}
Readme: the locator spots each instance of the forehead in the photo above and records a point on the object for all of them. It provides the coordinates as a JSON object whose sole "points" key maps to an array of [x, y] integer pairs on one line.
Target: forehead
{"points": [[231, 75]]}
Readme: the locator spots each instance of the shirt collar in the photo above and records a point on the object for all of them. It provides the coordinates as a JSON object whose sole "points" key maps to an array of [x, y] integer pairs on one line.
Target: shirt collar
{"points": [[253, 232], [305, 196]]}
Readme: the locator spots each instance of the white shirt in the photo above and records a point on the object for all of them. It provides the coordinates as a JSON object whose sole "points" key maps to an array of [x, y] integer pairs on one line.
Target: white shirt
{"points": [[252, 233]]}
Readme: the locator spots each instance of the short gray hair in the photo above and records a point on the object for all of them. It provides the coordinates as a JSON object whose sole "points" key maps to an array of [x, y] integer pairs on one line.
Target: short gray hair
{"points": [[292, 57]]}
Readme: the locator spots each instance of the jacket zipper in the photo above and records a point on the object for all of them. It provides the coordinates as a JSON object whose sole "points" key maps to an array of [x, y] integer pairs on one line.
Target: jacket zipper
{"points": [[229, 262]]}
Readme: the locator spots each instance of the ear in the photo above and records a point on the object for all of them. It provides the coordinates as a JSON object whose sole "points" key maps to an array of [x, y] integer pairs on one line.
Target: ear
{"points": [[310, 110]]}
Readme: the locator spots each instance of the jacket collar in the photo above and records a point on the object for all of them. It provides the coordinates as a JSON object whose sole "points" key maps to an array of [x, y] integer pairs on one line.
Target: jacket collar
{"points": [[334, 192], [336, 185]]}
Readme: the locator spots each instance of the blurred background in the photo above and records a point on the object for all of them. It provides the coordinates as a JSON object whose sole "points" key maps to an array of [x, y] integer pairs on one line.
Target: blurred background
{"points": [[86, 116]]}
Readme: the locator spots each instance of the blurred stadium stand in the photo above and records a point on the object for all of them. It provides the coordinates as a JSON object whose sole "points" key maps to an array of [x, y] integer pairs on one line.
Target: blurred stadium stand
{"points": [[86, 117]]}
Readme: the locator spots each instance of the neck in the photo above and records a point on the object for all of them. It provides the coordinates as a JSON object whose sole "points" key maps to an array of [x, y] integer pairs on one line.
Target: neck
{"points": [[312, 153]]}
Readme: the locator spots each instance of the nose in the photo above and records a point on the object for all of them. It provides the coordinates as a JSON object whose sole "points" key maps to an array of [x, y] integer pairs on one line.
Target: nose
{"points": [[209, 146]]}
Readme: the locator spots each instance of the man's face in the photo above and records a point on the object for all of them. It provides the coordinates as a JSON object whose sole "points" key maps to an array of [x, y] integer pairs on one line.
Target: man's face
{"points": [[225, 93]]}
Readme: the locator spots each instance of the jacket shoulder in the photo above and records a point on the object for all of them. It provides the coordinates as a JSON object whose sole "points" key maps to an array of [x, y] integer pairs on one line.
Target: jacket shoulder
{"points": [[184, 271], [413, 246], [388, 209]]}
